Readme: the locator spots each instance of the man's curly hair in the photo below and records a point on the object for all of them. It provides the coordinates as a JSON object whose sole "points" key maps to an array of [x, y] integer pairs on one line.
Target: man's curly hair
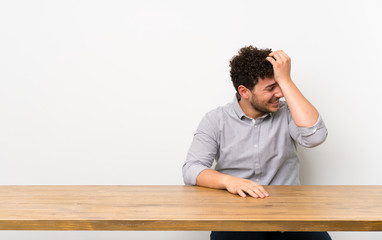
{"points": [[250, 65]]}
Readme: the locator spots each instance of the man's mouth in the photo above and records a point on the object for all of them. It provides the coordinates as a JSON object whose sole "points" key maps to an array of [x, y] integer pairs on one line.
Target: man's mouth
{"points": [[275, 103]]}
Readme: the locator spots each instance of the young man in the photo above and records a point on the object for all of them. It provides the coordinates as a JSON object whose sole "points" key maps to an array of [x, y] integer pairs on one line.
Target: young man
{"points": [[253, 139]]}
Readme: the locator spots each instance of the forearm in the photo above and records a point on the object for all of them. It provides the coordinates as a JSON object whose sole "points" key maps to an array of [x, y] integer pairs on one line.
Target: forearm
{"points": [[212, 179], [304, 114]]}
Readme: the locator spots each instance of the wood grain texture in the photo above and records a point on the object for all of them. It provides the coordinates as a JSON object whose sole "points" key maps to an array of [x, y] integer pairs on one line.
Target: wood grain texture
{"points": [[288, 208]]}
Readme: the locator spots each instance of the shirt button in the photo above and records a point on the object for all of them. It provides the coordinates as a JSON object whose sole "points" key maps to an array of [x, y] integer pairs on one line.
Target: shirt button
{"points": [[255, 145], [255, 126], [257, 180], [257, 164]]}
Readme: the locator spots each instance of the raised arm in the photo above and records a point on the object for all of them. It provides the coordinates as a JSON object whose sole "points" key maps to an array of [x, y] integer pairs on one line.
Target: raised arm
{"points": [[304, 114]]}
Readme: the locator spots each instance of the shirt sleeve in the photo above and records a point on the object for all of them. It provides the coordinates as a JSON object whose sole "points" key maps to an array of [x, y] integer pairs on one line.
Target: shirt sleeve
{"points": [[308, 136], [203, 150]]}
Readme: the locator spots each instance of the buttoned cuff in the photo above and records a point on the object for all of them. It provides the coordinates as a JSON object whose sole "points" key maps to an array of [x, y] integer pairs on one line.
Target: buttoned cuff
{"points": [[308, 131]]}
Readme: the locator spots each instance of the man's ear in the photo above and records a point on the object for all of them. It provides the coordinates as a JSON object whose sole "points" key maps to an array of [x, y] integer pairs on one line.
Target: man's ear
{"points": [[243, 91]]}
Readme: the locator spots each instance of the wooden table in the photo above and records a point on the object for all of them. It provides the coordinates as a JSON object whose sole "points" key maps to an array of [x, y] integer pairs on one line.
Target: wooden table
{"points": [[289, 208]]}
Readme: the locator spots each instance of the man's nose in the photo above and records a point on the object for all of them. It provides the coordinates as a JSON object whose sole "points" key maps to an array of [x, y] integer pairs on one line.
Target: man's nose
{"points": [[278, 92]]}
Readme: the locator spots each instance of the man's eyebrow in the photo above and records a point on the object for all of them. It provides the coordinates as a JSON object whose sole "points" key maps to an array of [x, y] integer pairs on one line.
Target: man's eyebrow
{"points": [[271, 85]]}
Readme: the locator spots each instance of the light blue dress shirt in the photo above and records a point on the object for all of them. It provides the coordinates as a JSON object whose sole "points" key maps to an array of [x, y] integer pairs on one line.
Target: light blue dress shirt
{"points": [[263, 151]]}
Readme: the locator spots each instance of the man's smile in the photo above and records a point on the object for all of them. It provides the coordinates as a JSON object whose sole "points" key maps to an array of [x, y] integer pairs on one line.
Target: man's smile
{"points": [[275, 103]]}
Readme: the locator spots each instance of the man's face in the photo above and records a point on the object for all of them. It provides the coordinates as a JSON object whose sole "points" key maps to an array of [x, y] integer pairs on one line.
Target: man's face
{"points": [[265, 96]]}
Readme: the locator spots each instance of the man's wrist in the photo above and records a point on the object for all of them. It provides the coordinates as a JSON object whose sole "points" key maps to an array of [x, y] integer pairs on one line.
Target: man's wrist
{"points": [[284, 80], [225, 180], [284, 83]]}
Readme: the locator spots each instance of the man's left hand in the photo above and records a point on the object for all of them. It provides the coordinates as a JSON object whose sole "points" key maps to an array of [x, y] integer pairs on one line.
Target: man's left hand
{"points": [[281, 65]]}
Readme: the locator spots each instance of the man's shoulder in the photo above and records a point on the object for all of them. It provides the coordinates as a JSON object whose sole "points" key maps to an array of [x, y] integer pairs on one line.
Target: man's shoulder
{"points": [[220, 112], [214, 119]]}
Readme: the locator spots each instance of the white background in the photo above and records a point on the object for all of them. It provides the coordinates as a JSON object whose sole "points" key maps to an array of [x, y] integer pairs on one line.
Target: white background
{"points": [[111, 92]]}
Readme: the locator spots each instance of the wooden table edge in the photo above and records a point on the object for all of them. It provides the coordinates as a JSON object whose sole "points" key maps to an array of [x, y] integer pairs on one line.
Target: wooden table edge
{"points": [[187, 225]]}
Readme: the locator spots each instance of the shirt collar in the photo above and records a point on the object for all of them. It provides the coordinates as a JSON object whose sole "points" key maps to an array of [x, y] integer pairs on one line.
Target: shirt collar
{"points": [[239, 112]]}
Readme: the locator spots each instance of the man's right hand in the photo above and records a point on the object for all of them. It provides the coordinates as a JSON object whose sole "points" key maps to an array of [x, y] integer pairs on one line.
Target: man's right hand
{"points": [[242, 187], [214, 179]]}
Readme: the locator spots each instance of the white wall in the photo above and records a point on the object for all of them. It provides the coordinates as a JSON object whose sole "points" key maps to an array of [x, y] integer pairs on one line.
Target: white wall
{"points": [[110, 92]]}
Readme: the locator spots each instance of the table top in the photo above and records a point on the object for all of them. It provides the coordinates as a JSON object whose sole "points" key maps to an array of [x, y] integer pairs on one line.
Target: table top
{"points": [[184, 208]]}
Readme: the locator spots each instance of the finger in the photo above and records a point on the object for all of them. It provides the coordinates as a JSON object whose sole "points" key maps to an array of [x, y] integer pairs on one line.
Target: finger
{"points": [[261, 189], [254, 185], [241, 193], [279, 57], [276, 58], [284, 55], [274, 53], [252, 193], [271, 60], [258, 192], [255, 189]]}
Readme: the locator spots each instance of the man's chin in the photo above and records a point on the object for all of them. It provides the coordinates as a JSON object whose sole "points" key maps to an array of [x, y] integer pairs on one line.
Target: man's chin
{"points": [[274, 108]]}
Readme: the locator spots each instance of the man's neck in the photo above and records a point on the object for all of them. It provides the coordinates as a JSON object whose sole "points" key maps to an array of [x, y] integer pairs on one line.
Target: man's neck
{"points": [[249, 110]]}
